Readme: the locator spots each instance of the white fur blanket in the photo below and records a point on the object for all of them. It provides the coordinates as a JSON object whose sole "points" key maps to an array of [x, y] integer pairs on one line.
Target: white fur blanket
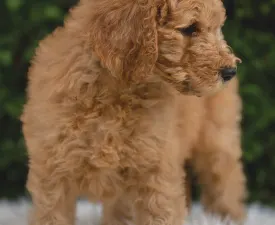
{"points": [[15, 213]]}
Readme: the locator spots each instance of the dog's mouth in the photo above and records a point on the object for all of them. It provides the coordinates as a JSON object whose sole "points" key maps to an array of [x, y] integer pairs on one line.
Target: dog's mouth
{"points": [[198, 88], [187, 89], [192, 84], [182, 86]]}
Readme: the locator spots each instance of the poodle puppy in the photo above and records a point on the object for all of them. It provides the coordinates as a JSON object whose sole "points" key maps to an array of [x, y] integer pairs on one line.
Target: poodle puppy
{"points": [[119, 98]]}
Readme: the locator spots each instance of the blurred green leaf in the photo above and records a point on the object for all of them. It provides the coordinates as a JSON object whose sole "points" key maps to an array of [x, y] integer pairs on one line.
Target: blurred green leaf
{"points": [[5, 57], [53, 12], [14, 5]]}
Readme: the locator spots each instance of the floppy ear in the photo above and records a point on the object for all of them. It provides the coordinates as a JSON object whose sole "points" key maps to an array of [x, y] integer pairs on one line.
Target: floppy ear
{"points": [[124, 37]]}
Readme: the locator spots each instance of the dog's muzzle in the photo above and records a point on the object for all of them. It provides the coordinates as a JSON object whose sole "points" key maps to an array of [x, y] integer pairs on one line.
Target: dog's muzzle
{"points": [[228, 73]]}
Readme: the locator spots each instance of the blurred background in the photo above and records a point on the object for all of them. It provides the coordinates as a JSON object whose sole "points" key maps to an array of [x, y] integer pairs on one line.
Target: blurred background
{"points": [[250, 30]]}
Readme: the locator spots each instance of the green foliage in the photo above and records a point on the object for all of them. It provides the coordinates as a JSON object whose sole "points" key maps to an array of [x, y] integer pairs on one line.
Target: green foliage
{"points": [[24, 23], [249, 31]]}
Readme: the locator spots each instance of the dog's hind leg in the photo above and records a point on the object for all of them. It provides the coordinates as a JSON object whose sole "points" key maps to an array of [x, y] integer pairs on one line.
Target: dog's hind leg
{"points": [[217, 157], [222, 180]]}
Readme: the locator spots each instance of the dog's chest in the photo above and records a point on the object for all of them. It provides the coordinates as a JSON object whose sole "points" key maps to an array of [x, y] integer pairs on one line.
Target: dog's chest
{"points": [[127, 132]]}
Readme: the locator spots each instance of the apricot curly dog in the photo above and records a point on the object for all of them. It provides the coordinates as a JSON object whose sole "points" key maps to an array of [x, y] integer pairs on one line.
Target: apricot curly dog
{"points": [[119, 98]]}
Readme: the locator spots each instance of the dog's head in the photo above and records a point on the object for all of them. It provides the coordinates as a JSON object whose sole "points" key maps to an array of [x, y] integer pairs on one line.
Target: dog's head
{"points": [[180, 40]]}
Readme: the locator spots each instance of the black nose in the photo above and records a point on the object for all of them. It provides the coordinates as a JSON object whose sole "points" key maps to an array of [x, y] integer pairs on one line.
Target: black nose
{"points": [[228, 73]]}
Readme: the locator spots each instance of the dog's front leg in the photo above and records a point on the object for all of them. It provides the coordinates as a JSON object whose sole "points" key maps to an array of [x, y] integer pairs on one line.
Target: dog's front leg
{"points": [[117, 212], [160, 201], [53, 199]]}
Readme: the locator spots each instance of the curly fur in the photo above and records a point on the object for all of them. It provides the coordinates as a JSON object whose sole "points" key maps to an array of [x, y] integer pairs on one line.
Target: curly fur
{"points": [[113, 113]]}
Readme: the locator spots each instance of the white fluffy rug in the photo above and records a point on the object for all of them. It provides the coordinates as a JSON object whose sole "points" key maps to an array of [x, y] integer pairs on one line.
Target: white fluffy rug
{"points": [[15, 213]]}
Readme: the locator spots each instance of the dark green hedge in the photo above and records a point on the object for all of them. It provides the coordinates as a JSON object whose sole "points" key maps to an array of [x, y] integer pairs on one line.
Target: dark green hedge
{"points": [[248, 30]]}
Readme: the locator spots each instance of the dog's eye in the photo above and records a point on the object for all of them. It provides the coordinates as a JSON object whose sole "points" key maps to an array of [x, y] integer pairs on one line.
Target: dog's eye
{"points": [[189, 31]]}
